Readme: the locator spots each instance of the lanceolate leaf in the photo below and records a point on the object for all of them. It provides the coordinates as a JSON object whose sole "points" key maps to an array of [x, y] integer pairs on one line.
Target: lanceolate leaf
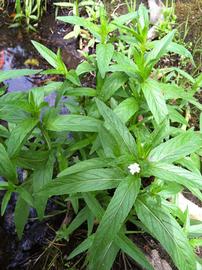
{"points": [[166, 229], [32, 160], [21, 216], [80, 218], [85, 165], [128, 247], [104, 53], [110, 146], [41, 177], [121, 240], [122, 19], [91, 180], [180, 49], [7, 169], [112, 221], [161, 48], [117, 128], [10, 74], [73, 123], [85, 245], [5, 201], [176, 174], [155, 100], [195, 230], [112, 83], [126, 109], [46, 53], [93, 28], [19, 134], [157, 136], [173, 91], [80, 91], [177, 148]]}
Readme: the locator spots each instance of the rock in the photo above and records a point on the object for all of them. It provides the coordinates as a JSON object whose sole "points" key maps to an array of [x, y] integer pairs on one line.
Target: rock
{"points": [[157, 262]]}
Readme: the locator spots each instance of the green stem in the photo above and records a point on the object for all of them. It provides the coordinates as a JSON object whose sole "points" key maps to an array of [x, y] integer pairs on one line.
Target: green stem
{"points": [[46, 136], [77, 7]]}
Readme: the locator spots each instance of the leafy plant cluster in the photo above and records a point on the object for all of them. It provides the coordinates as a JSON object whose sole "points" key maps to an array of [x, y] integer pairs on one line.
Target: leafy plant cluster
{"points": [[123, 151], [29, 12]]}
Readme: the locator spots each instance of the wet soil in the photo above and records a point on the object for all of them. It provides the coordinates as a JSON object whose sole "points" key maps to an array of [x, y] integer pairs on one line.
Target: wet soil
{"points": [[18, 52]]}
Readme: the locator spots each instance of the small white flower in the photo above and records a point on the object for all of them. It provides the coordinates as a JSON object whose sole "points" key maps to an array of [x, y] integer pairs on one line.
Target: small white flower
{"points": [[134, 168]]}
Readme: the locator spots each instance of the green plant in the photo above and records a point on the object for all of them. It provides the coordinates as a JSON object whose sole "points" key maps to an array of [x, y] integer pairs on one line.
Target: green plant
{"points": [[131, 148], [169, 20], [30, 12], [131, 5], [90, 7]]}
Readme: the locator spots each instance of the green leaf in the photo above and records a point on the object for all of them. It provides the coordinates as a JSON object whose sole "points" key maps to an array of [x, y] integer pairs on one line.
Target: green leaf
{"points": [[126, 65], [73, 123], [94, 205], [155, 100], [46, 53], [167, 231], [104, 53], [195, 231], [157, 136], [177, 148], [143, 17], [32, 160], [93, 28], [128, 247], [160, 48], [110, 147], [13, 115], [7, 169], [5, 201], [175, 116], [112, 221], [200, 123], [19, 134], [25, 195], [40, 178], [173, 91], [80, 218], [94, 163], [73, 77], [122, 20], [198, 82], [80, 91], [118, 129], [176, 174], [11, 74], [85, 245], [20, 216], [183, 73], [121, 241], [91, 180], [84, 67], [180, 49], [4, 133], [111, 84], [126, 109]]}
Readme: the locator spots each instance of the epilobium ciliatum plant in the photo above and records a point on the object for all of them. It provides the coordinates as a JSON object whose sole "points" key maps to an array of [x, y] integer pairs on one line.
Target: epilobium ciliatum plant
{"points": [[121, 154]]}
